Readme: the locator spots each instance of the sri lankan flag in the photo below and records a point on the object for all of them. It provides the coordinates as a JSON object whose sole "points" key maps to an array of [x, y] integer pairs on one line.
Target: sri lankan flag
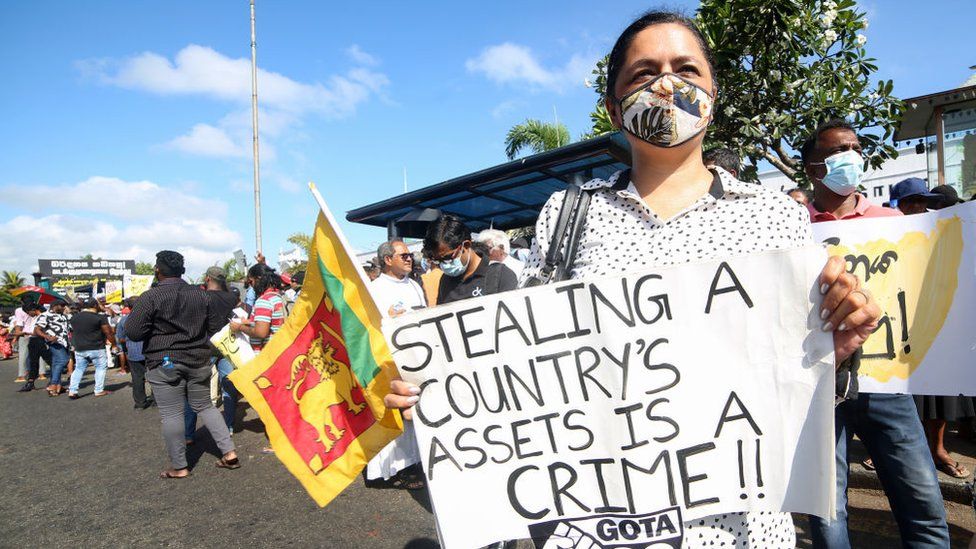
{"points": [[318, 385]]}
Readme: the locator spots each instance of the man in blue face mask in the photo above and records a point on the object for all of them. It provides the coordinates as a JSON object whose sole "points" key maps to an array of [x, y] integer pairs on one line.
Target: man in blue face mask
{"points": [[832, 160], [888, 425]]}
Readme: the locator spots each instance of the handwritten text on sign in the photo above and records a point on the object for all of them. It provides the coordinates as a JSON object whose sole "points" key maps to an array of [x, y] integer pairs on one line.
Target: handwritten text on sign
{"points": [[922, 270], [699, 388]]}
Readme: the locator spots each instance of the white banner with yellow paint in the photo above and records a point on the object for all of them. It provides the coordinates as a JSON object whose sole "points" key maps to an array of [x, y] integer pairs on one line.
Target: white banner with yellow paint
{"points": [[133, 285], [113, 291], [922, 269]]}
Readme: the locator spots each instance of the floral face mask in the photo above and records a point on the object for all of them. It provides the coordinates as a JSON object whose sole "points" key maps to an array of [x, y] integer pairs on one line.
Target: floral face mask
{"points": [[667, 111]]}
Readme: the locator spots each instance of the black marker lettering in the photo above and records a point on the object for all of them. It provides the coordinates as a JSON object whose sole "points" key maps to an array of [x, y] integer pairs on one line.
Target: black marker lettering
{"points": [[559, 491], [420, 410], [434, 458], [686, 479], [661, 300], [466, 334], [735, 287], [513, 498], [598, 469], [743, 414], [570, 291], [512, 325], [398, 346]]}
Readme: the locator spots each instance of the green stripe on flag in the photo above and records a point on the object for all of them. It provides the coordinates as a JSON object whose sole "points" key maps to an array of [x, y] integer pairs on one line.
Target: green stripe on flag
{"points": [[361, 359]]}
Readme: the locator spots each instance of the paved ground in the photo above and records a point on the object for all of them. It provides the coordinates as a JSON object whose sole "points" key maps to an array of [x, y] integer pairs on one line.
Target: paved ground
{"points": [[83, 473]]}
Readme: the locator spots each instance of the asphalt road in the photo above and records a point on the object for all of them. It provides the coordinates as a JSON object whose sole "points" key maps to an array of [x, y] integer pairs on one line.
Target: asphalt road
{"points": [[84, 473]]}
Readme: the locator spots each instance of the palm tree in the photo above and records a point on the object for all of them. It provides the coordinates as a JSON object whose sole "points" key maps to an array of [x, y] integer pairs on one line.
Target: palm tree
{"points": [[12, 279], [536, 136], [303, 241]]}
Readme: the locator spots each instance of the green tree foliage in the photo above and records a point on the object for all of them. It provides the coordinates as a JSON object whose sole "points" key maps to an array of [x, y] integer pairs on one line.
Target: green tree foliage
{"points": [[303, 241], [145, 268], [233, 273], [783, 67], [11, 280], [536, 136], [7, 300]]}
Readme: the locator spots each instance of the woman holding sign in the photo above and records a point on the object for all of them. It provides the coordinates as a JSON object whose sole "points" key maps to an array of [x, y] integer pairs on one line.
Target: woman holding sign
{"points": [[670, 209]]}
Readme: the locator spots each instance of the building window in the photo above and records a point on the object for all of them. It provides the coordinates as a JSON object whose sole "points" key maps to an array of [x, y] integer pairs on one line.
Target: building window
{"points": [[878, 191]]}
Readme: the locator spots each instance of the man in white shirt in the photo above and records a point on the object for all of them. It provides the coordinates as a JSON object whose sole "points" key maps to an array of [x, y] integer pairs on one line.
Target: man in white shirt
{"points": [[499, 249], [394, 291]]}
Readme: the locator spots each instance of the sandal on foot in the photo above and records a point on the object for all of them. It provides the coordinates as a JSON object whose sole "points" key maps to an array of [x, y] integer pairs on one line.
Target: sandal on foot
{"points": [[954, 470], [168, 474], [225, 463], [868, 464]]}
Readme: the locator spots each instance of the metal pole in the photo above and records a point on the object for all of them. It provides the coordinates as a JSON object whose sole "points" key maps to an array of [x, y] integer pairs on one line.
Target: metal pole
{"points": [[254, 124]]}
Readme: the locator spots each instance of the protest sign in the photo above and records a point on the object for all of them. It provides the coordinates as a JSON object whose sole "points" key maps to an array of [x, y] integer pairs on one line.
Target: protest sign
{"points": [[625, 404], [235, 347], [922, 270], [113, 291], [133, 285]]}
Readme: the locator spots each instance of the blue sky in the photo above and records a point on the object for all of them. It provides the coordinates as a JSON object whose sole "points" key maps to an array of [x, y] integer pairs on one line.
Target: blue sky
{"points": [[126, 125]]}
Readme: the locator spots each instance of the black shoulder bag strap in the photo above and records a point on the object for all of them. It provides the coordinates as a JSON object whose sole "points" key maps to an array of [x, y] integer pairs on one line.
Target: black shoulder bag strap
{"points": [[569, 225], [553, 257]]}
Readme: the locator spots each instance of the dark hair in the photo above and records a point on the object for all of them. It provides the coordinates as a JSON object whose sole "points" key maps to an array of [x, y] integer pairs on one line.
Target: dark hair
{"points": [[723, 158], [264, 277], [649, 19], [811, 143], [31, 306], [805, 192], [448, 229], [89, 303], [170, 263]]}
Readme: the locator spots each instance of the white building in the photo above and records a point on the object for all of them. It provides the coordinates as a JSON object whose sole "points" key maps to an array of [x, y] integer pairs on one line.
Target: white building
{"points": [[876, 182], [286, 260]]}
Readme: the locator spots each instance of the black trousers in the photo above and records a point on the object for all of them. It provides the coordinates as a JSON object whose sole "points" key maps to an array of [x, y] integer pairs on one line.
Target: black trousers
{"points": [[138, 369], [36, 350]]}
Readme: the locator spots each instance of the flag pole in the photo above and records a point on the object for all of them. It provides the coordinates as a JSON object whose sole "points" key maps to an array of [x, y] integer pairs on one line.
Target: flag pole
{"points": [[254, 128], [335, 226]]}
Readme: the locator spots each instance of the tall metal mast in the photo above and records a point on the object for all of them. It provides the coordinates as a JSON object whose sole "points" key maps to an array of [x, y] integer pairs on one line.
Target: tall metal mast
{"points": [[254, 124]]}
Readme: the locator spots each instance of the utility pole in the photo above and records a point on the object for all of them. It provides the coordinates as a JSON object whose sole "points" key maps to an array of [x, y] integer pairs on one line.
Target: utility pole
{"points": [[254, 124]]}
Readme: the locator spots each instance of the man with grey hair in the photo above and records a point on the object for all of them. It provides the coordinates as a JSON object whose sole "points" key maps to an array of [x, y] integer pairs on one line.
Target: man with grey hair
{"points": [[396, 293], [498, 249]]}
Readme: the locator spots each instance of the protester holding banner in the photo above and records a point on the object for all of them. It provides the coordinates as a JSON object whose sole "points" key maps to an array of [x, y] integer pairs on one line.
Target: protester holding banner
{"points": [[936, 411], [670, 209], [887, 424]]}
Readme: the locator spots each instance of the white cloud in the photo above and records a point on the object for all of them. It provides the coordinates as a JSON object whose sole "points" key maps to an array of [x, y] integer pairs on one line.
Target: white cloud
{"points": [[505, 108], [359, 56], [510, 63], [206, 140], [199, 70], [284, 103], [113, 218]]}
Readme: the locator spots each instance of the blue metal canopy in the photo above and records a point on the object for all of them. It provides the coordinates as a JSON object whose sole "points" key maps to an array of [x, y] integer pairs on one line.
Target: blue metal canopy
{"points": [[506, 196]]}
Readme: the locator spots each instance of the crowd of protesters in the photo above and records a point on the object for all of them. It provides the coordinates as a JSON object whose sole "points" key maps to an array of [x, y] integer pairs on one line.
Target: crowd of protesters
{"points": [[653, 213]]}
